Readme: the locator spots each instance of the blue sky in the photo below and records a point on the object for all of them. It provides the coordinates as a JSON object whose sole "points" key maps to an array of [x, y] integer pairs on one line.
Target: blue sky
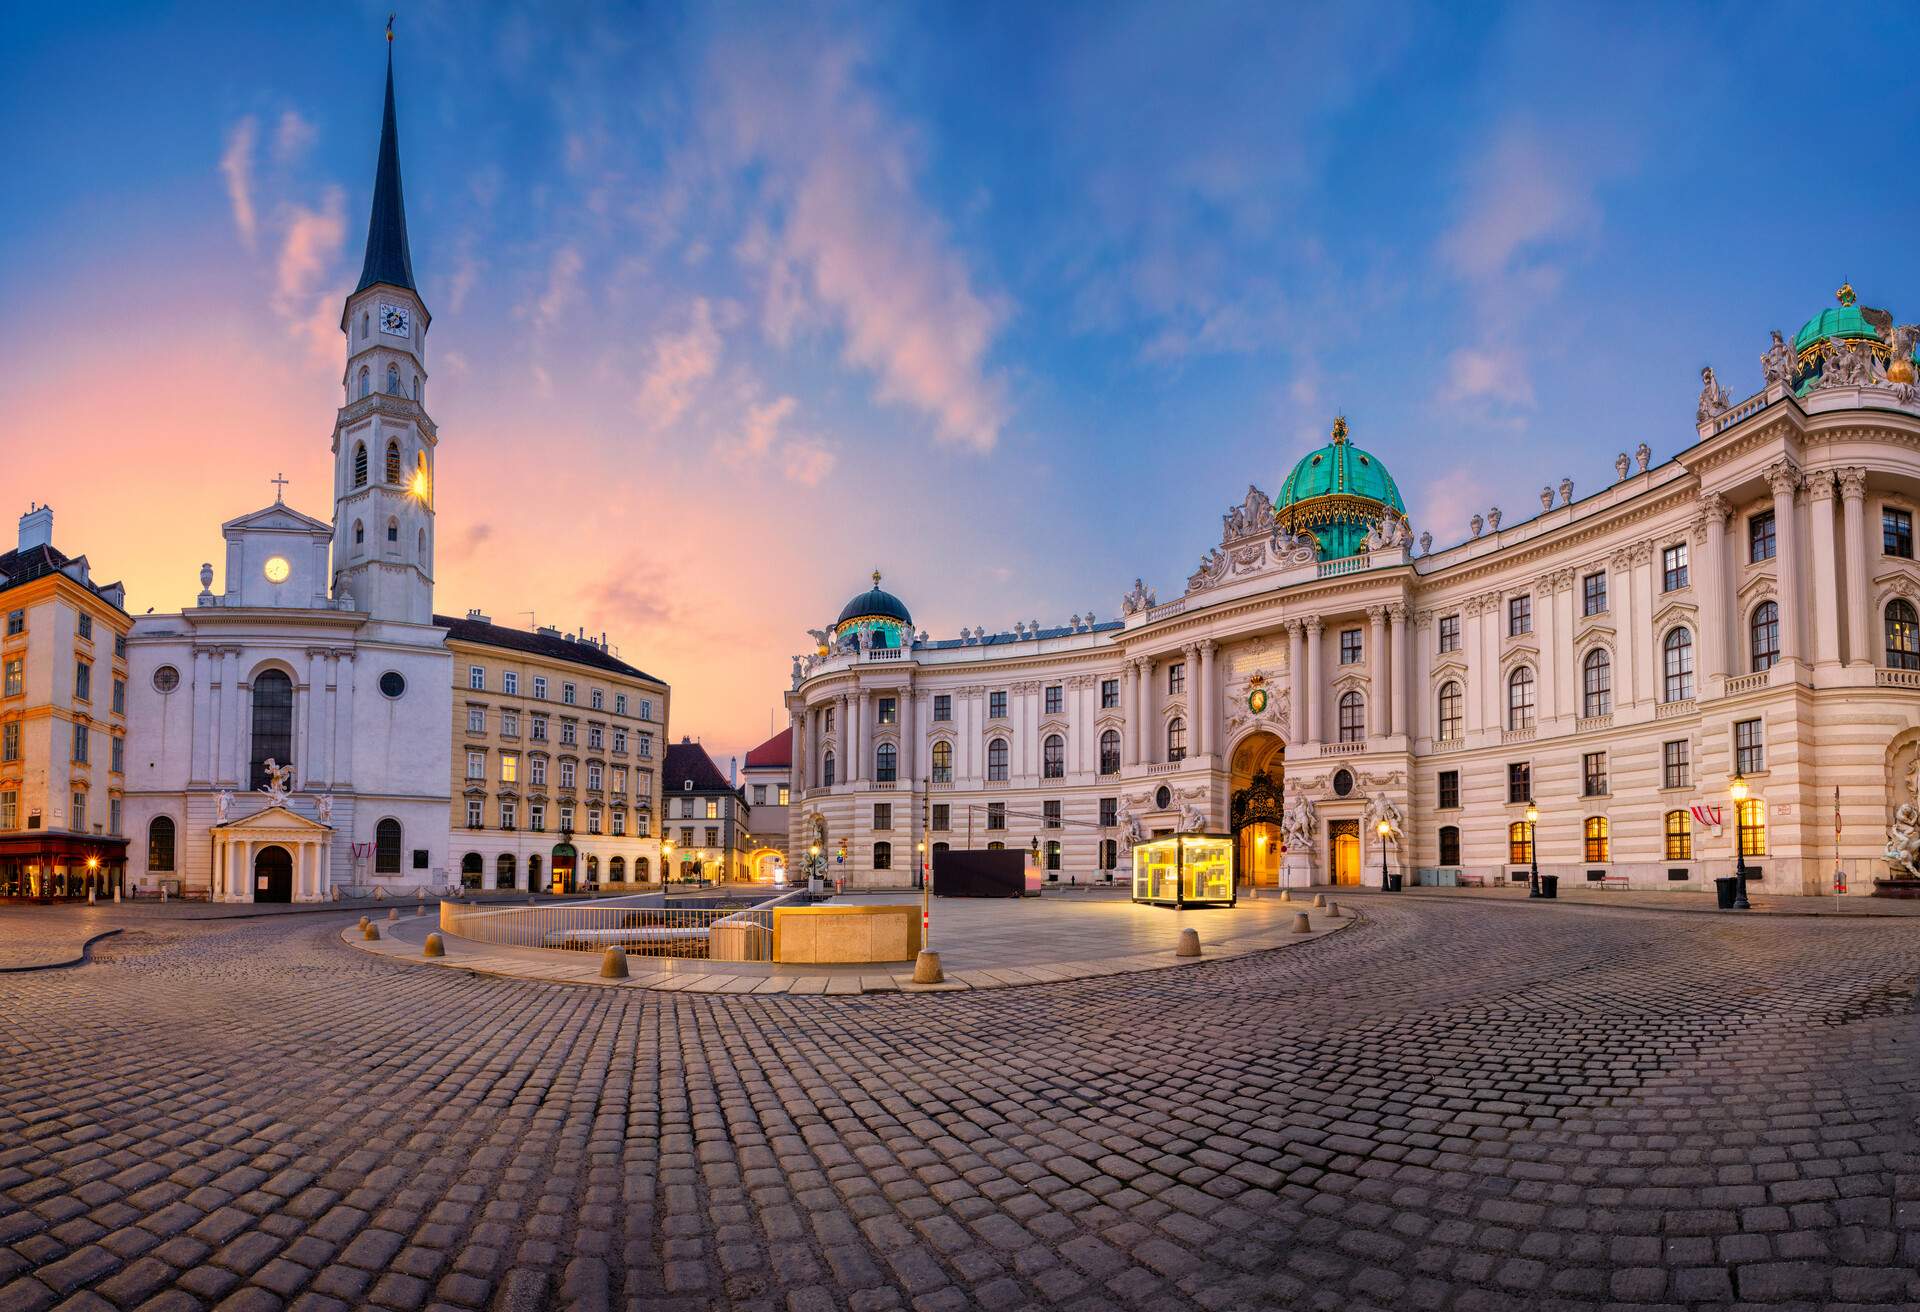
{"points": [[734, 303]]}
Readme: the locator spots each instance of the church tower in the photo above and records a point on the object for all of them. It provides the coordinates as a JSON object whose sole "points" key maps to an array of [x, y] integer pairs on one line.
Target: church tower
{"points": [[383, 440]]}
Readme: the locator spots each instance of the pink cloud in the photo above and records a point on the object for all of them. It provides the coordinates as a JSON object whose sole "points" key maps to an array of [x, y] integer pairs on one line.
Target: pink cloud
{"points": [[679, 363], [236, 165]]}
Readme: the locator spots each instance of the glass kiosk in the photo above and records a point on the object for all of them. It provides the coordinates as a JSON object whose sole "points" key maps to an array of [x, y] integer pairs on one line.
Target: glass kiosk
{"points": [[1184, 870]]}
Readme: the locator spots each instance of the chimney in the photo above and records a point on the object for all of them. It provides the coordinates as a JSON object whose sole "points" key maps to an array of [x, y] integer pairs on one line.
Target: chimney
{"points": [[478, 618], [36, 527]]}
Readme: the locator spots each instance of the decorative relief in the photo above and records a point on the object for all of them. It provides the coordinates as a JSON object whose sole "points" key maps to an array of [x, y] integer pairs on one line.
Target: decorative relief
{"points": [[1783, 476], [1141, 598], [1251, 543]]}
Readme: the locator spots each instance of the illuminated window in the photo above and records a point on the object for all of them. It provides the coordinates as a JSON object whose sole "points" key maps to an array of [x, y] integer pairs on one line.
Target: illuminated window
{"points": [[360, 457], [393, 461], [1452, 719], [1679, 836], [1752, 820], [1519, 843], [1596, 838], [1903, 636]]}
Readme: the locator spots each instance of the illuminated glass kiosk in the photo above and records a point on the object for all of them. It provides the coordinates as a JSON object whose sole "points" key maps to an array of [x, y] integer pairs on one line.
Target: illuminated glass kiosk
{"points": [[1184, 870]]}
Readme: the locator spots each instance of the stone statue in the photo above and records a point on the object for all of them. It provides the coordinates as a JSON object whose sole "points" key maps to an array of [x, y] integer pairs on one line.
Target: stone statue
{"points": [[1251, 518], [1141, 598], [279, 782], [1380, 807], [1903, 841], [1713, 397], [1566, 491], [1426, 544], [1643, 454], [1776, 365], [1297, 823], [324, 808], [1493, 519], [796, 672], [222, 803], [1193, 818], [1546, 498], [1131, 831], [1478, 525], [822, 638], [1620, 466]]}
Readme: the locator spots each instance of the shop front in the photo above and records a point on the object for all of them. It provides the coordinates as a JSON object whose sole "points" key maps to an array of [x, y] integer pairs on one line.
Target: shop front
{"points": [[1184, 870], [52, 865]]}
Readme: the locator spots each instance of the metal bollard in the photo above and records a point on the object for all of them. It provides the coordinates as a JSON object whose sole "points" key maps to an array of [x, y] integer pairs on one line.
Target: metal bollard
{"points": [[613, 963], [926, 968], [433, 947], [1189, 943], [1301, 925]]}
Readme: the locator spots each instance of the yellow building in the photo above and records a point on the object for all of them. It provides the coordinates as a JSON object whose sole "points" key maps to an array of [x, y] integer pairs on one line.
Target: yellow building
{"points": [[557, 747], [63, 726]]}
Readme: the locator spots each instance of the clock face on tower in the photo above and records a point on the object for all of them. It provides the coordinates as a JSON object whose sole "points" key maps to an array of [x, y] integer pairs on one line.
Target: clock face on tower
{"points": [[277, 569], [394, 320]]}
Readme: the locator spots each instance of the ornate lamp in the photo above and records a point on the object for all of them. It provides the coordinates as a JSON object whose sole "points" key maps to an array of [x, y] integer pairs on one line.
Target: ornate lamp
{"points": [[1737, 790], [1533, 851]]}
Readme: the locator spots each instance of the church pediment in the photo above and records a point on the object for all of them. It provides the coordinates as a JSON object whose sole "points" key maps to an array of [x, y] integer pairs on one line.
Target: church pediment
{"points": [[270, 821], [277, 518]]}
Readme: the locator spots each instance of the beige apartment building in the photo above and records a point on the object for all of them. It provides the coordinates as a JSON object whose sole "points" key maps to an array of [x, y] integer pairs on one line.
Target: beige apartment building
{"points": [[557, 747], [63, 724]]}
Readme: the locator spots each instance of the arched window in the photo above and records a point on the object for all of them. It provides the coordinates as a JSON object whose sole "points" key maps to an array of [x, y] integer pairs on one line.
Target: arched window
{"points": [[359, 464], [416, 387], [1676, 654], [642, 870], [1597, 839], [826, 770], [272, 724], [386, 847], [503, 872], [1451, 718], [1449, 845], [393, 379], [617, 870], [393, 462], [1110, 752], [943, 762], [997, 759], [885, 763], [359, 534], [996, 846], [1596, 683], [1353, 717], [533, 872], [1903, 636], [1053, 757], [1679, 836], [1520, 698], [883, 856], [393, 530], [160, 843], [365, 323], [366, 381], [1765, 627], [1519, 843], [470, 868], [1176, 739], [420, 547]]}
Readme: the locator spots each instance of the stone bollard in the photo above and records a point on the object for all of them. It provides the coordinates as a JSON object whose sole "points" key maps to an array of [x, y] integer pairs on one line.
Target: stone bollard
{"points": [[1286, 895], [116, 895], [364, 922], [613, 963], [1301, 925], [419, 911], [1320, 899], [89, 897], [926, 968], [1189, 943], [163, 892], [393, 913], [1333, 911], [433, 947], [530, 901], [371, 932]]}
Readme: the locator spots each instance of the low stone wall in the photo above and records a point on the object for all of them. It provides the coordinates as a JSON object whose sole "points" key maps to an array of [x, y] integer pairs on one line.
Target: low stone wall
{"points": [[853, 935]]}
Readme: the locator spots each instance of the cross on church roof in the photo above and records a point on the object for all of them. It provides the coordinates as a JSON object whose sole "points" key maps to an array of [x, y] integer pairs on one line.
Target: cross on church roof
{"points": [[279, 482]]}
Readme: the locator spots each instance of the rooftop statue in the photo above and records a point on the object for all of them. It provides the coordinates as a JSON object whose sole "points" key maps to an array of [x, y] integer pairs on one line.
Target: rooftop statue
{"points": [[1777, 364], [1141, 598], [1713, 397]]}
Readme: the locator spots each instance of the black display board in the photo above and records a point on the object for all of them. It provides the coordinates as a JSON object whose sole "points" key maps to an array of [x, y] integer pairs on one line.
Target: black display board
{"points": [[982, 873]]}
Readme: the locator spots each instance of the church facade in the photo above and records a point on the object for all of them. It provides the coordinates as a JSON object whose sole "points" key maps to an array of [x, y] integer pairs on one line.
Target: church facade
{"points": [[288, 734], [1714, 660]]}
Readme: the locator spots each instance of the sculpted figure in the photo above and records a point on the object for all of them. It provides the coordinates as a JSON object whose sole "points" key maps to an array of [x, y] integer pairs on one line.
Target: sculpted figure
{"points": [[222, 803], [324, 808], [1903, 840], [1297, 823], [1193, 818], [1713, 397], [1426, 544], [1777, 364], [1381, 807]]}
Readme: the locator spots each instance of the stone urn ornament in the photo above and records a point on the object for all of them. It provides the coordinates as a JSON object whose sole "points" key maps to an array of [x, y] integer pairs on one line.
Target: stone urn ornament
{"points": [[1620, 466], [1546, 498], [1493, 519], [1566, 491], [1477, 524]]}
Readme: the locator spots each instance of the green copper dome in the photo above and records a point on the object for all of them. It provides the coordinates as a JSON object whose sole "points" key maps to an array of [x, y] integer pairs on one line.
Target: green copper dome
{"points": [[1337, 493], [1836, 321]]}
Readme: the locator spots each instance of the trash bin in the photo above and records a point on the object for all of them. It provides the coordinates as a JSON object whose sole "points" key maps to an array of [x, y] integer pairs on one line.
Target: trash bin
{"points": [[1723, 891], [1549, 886], [1393, 883]]}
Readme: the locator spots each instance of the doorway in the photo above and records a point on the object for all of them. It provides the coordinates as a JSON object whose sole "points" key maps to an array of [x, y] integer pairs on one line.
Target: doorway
{"points": [[1259, 778], [1344, 836], [273, 875]]}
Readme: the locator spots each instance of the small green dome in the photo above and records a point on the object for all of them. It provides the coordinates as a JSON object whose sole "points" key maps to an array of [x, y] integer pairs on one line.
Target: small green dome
{"points": [[1836, 321], [1337, 493]]}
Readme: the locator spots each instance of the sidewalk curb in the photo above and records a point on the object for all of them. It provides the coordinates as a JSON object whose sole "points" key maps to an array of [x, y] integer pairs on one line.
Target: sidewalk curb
{"points": [[86, 949], [1767, 914]]}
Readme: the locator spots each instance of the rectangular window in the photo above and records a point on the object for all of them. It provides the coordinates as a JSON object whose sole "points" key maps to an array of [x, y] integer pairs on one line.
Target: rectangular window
{"points": [[509, 767], [1449, 633], [889, 711], [1749, 748], [686, 835], [1056, 699], [643, 783], [1593, 773], [1176, 678], [569, 694], [80, 744], [1520, 781], [996, 815], [474, 819], [476, 719], [79, 825], [784, 795], [619, 741], [540, 687], [1050, 814], [477, 678], [598, 699], [942, 706], [1676, 770], [596, 737], [537, 817], [16, 622], [646, 709], [1751, 817], [1449, 789], [593, 820], [15, 676], [1519, 615], [618, 778], [686, 808], [539, 727], [1593, 593], [119, 750], [646, 746], [476, 765], [510, 683], [1597, 839], [119, 696], [883, 815], [1896, 532], [1109, 694], [509, 724], [569, 733], [1760, 537], [713, 836], [759, 794], [86, 626], [1679, 836], [1109, 812], [619, 824], [120, 645], [537, 771], [566, 774], [642, 824], [10, 741], [619, 703], [942, 814], [1673, 567], [996, 706], [10, 810], [566, 819], [1350, 650], [713, 808], [82, 681]]}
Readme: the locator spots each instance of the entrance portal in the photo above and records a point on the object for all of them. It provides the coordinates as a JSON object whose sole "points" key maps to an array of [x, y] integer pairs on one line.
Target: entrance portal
{"points": [[1259, 768], [563, 864], [1344, 836], [273, 875]]}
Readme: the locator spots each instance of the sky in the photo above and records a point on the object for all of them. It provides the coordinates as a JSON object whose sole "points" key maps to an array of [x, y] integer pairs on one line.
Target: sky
{"points": [[734, 304]]}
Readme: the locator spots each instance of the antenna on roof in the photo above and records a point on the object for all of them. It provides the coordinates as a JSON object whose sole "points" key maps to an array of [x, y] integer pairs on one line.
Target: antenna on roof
{"points": [[531, 624]]}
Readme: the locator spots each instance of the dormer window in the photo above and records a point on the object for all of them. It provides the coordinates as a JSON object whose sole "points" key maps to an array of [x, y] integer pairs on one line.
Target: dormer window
{"points": [[687, 786]]}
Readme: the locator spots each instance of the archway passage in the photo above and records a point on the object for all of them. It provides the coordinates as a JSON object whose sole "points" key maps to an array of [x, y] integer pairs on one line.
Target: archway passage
{"points": [[470, 870], [1259, 774], [564, 860], [273, 875]]}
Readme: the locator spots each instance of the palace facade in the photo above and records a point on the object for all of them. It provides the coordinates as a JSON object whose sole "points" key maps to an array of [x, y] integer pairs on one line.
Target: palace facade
{"points": [[1346, 701]]}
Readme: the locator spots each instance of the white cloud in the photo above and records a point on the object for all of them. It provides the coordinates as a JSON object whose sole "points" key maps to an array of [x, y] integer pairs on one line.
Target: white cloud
{"points": [[292, 138], [1522, 195], [312, 239], [679, 363], [236, 164], [1494, 373]]}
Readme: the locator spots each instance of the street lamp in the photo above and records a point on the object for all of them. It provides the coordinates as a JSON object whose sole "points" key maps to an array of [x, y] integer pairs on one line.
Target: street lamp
{"points": [[1737, 790], [1533, 850], [1383, 829]]}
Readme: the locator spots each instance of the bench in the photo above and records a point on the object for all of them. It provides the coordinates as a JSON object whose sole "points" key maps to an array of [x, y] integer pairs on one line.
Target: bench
{"points": [[1610, 881], [1471, 881]]}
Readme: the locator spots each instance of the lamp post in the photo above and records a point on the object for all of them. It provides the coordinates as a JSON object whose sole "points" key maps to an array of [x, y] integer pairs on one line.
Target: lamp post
{"points": [[1533, 850], [666, 863], [1737, 790], [1383, 829]]}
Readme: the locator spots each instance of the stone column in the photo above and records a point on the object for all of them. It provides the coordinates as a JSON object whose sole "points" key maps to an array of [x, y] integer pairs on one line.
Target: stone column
{"points": [[909, 743], [1824, 582], [206, 711], [233, 759], [1130, 710], [1784, 477], [1297, 678], [1316, 683], [843, 712], [1710, 581], [1421, 696], [314, 736], [344, 677], [1626, 677], [1143, 695], [1853, 505], [1380, 704], [1401, 682], [1190, 656], [1476, 643], [1209, 697]]}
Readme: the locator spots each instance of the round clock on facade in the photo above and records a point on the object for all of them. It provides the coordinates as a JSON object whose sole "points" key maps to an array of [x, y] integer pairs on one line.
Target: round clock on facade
{"points": [[277, 569], [394, 320]]}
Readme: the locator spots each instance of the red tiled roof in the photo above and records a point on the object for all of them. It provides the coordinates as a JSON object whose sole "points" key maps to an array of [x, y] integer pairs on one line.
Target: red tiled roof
{"points": [[775, 751]]}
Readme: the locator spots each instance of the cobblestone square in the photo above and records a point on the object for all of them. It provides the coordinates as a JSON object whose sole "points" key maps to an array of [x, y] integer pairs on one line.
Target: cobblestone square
{"points": [[1452, 1104]]}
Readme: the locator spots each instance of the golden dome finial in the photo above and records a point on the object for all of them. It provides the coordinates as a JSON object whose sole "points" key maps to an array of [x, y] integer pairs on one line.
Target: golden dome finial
{"points": [[1845, 294], [1339, 429], [876, 578]]}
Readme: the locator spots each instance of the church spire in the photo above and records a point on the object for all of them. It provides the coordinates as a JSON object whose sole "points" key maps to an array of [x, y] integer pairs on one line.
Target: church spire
{"points": [[388, 260]]}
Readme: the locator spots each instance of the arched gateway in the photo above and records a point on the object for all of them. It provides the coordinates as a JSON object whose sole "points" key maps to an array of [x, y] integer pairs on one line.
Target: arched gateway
{"points": [[1259, 774], [273, 875]]}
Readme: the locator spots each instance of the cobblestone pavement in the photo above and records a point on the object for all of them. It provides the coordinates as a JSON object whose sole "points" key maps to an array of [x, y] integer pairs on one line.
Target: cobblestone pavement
{"points": [[1448, 1106]]}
